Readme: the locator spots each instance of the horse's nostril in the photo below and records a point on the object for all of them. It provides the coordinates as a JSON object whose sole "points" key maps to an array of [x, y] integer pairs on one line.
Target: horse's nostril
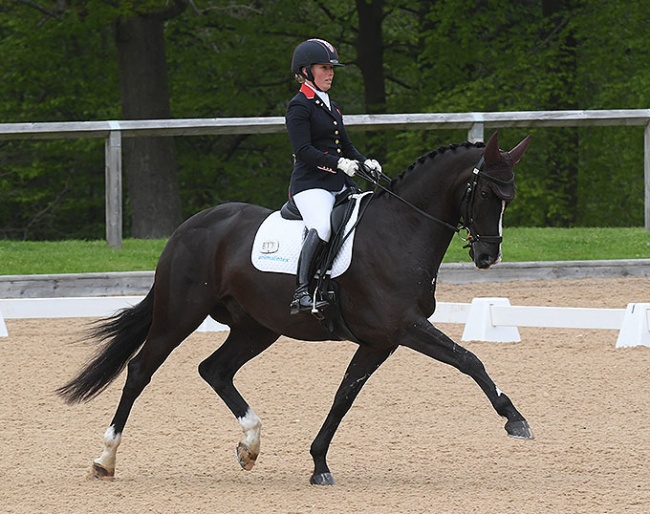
{"points": [[484, 261]]}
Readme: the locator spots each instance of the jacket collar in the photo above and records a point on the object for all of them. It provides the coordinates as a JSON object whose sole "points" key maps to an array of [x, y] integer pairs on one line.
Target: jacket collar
{"points": [[307, 91], [310, 94]]}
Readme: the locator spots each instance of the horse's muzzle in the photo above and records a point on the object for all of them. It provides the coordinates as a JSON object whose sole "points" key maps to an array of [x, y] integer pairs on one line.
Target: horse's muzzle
{"points": [[485, 254]]}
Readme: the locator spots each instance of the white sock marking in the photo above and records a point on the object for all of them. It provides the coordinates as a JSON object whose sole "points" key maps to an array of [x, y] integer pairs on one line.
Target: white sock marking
{"points": [[111, 443], [252, 427]]}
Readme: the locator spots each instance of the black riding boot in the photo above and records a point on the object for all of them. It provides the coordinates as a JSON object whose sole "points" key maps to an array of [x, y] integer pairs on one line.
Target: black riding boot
{"points": [[311, 248]]}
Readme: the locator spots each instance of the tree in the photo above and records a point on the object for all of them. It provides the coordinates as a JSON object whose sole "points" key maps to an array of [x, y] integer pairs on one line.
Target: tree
{"points": [[563, 68], [370, 54], [149, 163], [226, 58]]}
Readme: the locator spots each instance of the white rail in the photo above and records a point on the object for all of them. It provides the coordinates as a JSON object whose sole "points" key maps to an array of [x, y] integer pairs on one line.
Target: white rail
{"points": [[485, 319], [474, 122]]}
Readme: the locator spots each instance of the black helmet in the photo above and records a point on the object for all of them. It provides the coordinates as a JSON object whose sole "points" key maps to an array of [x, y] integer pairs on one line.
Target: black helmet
{"points": [[313, 51]]}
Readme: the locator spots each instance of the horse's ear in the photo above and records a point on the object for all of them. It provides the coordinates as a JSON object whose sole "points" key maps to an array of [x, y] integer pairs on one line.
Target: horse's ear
{"points": [[491, 153], [518, 151]]}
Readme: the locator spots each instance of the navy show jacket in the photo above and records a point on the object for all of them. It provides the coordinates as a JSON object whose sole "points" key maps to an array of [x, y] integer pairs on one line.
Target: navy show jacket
{"points": [[318, 139]]}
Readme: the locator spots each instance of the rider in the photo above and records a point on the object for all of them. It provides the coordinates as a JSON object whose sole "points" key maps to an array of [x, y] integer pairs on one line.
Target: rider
{"points": [[324, 157]]}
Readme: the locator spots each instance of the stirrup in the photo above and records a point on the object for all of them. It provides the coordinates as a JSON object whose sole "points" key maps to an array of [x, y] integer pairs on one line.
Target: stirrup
{"points": [[305, 303]]}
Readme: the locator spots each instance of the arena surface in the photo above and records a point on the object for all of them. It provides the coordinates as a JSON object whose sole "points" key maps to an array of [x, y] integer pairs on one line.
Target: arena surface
{"points": [[421, 438]]}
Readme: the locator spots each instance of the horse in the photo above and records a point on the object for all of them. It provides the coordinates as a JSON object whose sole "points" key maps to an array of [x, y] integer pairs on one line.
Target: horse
{"points": [[384, 298]]}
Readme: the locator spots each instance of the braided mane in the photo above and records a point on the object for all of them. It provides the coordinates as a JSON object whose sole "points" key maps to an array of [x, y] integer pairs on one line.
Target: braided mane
{"points": [[433, 153]]}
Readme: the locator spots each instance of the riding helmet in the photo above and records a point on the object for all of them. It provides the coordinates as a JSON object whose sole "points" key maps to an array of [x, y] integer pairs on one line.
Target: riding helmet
{"points": [[313, 51]]}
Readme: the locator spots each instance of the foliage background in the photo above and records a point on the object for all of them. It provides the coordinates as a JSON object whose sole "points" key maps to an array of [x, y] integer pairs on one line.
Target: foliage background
{"points": [[228, 58]]}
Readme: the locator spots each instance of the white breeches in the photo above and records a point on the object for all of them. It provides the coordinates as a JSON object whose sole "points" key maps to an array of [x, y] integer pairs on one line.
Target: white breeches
{"points": [[315, 206]]}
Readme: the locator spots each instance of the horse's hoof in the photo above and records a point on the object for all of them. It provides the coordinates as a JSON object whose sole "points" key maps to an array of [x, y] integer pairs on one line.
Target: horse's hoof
{"points": [[322, 479], [98, 472], [519, 429], [245, 457]]}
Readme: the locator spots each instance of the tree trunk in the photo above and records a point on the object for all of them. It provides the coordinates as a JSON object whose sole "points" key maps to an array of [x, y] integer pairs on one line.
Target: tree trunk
{"points": [[562, 164], [370, 59], [370, 52], [149, 162]]}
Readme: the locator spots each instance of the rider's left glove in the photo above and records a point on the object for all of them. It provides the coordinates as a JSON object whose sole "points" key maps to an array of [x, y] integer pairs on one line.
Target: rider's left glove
{"points": [[373, 166]]}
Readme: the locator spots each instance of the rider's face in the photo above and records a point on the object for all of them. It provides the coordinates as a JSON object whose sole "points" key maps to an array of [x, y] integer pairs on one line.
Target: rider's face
{"points": [[323, 76]]}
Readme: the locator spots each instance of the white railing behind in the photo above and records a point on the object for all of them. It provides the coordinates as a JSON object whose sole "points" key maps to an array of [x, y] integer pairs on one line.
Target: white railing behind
{"points": [[475, 123]]}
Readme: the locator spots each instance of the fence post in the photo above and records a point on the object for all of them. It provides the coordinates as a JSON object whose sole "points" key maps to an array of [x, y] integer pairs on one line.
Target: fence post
{"points": [[113, 172], [479, 326], [635, 329], [476, 132]]}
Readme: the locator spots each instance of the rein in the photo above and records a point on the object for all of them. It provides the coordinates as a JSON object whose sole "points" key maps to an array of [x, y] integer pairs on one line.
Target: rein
{"points": [[468, 200], [366, 174]]}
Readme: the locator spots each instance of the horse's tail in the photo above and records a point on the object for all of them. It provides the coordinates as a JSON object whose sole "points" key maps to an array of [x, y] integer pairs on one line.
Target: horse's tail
{"points": [[121, 336]]}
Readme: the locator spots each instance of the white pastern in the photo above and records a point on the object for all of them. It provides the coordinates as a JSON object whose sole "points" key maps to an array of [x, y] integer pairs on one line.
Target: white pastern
{"points": [[252, 427], [111, 443]]}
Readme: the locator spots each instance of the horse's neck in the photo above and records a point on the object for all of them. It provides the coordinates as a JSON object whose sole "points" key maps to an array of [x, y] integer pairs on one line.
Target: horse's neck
{"points": [[437, 184]]}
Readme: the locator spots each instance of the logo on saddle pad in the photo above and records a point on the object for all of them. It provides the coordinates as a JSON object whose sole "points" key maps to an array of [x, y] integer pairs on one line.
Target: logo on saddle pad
{"points": [[278, 242]]}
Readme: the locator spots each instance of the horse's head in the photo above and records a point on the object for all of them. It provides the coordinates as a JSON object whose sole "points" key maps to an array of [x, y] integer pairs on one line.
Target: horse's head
{"points": [[490, 189]]}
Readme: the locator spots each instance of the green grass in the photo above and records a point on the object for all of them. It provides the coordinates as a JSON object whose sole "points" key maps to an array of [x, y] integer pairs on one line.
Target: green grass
{"points": [[28, 257], [520, 244]]}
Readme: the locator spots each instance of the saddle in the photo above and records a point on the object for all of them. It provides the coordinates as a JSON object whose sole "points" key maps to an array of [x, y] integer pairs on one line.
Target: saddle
{"points": [[322, 282], [341, 214]]}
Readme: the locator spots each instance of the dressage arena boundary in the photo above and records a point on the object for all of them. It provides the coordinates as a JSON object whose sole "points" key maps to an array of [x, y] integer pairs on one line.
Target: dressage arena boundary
{"points": [[485, 319]]}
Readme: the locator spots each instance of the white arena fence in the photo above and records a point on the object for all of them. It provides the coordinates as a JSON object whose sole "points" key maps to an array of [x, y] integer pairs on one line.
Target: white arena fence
{"points": [[485, 319], [113, 131]]}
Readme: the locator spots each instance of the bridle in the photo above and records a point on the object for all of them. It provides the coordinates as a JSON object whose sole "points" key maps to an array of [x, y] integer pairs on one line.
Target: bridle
{"points": [[468, 201]]}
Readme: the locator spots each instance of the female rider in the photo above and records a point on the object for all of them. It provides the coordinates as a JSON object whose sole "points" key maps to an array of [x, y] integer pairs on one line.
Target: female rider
{"points": [[325, 160]]}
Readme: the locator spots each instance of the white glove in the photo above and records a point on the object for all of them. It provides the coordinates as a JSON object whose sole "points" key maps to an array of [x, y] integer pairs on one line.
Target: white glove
{"points": [[373, 166], [348, 166]]}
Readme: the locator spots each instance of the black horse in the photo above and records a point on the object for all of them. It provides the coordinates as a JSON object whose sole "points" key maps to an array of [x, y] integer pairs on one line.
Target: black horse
{"points": [[384, 298]]}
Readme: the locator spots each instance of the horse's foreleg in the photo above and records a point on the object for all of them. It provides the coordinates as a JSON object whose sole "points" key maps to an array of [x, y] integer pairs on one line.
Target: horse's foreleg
{"points": [[219, 369], [363, 364], [427, 339]]}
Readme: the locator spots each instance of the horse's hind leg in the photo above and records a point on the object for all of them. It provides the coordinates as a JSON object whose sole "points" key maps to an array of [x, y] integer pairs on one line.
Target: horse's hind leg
{"points": [[244, 342], [160, 342], [363, 364]]}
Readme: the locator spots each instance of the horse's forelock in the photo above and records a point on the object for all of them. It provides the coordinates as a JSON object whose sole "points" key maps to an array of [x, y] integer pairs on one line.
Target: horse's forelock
{"points": [[503, 192]]}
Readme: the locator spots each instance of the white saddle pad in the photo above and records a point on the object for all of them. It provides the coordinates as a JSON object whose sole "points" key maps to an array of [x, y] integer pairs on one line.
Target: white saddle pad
{"points": [[278, 243]]}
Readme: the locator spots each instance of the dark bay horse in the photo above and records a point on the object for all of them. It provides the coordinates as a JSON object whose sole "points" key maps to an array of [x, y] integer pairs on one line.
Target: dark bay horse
{"points": [[385, 297]]}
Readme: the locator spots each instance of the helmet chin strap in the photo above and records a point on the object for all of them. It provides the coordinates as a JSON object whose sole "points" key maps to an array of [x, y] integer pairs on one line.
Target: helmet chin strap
{"points": [[310, 77]]}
